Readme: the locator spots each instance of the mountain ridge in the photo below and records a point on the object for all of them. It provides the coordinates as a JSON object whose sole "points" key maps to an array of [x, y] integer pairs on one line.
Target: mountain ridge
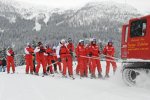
{"points": [[99, 20]]}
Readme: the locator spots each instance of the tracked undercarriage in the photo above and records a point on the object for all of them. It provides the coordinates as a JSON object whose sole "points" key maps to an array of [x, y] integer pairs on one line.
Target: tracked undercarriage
{"points": [[132, 70]]}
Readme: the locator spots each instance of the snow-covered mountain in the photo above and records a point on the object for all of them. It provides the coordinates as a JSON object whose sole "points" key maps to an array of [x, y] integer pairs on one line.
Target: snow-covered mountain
{"points": [[96, 19], [96, 12], [93, 12]]}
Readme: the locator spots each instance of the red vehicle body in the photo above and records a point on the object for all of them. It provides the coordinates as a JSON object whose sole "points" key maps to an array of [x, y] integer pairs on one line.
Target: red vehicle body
{"points": [[136, 39], [135, 48]]}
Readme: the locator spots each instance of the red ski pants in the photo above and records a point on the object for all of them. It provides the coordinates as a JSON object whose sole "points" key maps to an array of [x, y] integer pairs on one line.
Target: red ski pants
{"points": [[48, 63], [96, 64], [114, 65], [41, 61], [29, 65], [10, 62], [67, 63], [82, 66]]}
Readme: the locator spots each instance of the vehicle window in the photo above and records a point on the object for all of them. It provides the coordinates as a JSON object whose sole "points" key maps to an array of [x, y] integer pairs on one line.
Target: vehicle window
{"points": [[138, 28]]}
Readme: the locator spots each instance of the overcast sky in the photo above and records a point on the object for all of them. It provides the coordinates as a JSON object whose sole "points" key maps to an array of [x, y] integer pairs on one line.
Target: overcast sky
{"points": [[142, 5]]}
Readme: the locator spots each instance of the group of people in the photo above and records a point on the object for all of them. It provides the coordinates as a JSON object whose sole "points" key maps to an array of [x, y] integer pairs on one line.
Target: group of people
{"points": [[87, 55]]}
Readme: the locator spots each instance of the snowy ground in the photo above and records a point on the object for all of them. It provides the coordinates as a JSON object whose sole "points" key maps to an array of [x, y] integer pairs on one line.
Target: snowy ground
{"points": [[30, 87]]}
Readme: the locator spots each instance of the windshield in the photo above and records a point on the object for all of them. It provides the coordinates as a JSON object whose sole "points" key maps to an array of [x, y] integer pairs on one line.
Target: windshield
{"points": [[138, 28]]}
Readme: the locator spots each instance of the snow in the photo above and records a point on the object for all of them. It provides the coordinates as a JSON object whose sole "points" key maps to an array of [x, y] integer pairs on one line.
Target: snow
{"points": [[143, 81], [37, 26], [12, 19], [94, 11], [1, 30], [136, 60], [20, 86]]}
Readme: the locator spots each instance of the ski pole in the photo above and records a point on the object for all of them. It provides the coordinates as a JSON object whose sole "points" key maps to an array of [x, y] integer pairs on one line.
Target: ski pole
{"points": [[98, 58], [53, 64], [111, 57], [104, 56]]}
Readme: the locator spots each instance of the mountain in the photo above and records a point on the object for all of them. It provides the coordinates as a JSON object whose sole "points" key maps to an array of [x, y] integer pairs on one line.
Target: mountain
{"points": [[96, 12], [21, 24]]}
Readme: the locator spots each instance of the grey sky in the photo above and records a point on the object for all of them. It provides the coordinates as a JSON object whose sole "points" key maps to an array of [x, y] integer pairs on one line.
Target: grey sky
{"points": [[142, 5]]}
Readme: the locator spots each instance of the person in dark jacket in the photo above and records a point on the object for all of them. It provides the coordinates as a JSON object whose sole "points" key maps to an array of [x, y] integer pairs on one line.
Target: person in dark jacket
{"points": [[0, 65], [3, 64]]}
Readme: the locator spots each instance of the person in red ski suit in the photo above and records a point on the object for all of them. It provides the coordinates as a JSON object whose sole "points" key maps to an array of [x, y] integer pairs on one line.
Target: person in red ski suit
{"points": [[109, 52], [49, 58], [81, 56], [63, 55], [40, 59], [70, 46], [10, 60], [29, 58], [89, 62], [94, 53]]}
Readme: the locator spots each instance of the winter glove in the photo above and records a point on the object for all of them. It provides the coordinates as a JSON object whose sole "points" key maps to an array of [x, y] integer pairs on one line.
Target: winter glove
{"points": [[59, 59], [31, 52], [42, 50], [12, 55], [90, 54], [71, 54], [50, 54]]}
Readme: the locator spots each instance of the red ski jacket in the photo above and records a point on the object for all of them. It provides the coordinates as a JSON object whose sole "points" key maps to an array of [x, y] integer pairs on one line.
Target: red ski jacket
{"points": [[64, 51], [94, 50], [81, 50], [39, 52], [109, 51], [29, 51], [49, 53], [70, 46]]}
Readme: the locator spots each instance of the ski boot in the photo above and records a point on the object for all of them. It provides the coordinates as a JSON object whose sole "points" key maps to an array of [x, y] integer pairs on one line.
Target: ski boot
{"points": [[86, 76], [100, 75], [64, 76], [81, 76], [107, 76], [45, 74], [51, 72], [31, 73], [13, 72], [36, 73], [56, 71], [93, 76], [114, 71], [71, 76]]}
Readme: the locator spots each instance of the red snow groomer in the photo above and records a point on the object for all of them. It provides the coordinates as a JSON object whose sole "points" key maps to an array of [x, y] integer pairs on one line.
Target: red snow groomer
{"points": [[135, 49]]}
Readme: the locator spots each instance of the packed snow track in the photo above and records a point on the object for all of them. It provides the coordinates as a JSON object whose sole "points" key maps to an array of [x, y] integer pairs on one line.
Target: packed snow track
{"points": [[20, 86]]}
